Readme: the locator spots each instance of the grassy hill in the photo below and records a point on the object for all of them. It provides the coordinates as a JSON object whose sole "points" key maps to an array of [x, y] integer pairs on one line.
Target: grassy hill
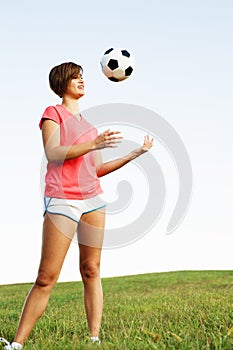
{"points": [[190, 310]]}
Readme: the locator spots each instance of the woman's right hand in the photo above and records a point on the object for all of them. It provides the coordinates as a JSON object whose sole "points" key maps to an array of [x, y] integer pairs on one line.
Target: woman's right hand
{"points": [[108, 139]]}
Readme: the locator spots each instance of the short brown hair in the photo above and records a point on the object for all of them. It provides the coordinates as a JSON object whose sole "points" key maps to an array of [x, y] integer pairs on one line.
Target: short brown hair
{"points": [[60, 76]]}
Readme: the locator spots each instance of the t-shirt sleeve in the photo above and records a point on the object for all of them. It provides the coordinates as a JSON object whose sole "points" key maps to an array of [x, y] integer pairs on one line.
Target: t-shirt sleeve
{"points": [[50, 113]]}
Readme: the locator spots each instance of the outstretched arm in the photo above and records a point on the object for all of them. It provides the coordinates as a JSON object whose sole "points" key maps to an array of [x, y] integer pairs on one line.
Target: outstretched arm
{"points": [[108, 167]]}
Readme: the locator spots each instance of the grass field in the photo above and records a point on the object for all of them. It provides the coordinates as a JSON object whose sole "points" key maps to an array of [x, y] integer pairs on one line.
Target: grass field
{"points": [[174, 310]]}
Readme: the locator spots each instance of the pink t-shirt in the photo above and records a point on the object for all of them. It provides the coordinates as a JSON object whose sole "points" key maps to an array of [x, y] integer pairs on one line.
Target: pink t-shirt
{"points": [[75, 178]]}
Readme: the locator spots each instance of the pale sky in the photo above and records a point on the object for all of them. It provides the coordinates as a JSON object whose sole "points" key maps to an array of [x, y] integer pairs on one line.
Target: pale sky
{"points": [[183, 52]]}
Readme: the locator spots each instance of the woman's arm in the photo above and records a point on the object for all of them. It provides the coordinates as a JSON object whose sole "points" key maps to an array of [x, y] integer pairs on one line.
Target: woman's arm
{"points": [[108, 167], [56, 153]]}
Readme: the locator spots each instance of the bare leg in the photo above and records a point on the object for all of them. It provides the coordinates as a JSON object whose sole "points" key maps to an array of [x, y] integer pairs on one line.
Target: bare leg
{"points": [[90, 231], [54, 248]]}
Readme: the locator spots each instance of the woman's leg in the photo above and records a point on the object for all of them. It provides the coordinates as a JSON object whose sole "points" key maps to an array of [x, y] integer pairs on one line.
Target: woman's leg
{"points": [[55, 245], [90, 234]]}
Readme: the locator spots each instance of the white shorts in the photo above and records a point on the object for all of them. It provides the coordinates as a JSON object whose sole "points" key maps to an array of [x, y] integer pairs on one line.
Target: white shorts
{"points": [[72, 208]]}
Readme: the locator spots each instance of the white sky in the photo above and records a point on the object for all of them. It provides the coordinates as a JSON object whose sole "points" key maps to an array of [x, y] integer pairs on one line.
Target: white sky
{"points": [[184, 72]]}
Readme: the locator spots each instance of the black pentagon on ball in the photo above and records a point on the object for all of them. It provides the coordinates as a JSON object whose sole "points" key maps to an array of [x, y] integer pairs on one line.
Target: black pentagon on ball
{"points": [[113, 64], [128, 71], [108, 51], [113, 79], [125, 53]]}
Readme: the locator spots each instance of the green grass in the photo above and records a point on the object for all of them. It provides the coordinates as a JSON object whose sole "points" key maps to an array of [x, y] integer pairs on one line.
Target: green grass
{"points": [[174, 310]]}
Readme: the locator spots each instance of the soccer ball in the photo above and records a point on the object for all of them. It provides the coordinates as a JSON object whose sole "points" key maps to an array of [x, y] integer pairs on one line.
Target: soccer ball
{"points": [[117, 64]]}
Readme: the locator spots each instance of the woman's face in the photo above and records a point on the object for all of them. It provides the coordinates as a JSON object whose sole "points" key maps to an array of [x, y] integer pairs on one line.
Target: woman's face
{"points": [[75, 88]]}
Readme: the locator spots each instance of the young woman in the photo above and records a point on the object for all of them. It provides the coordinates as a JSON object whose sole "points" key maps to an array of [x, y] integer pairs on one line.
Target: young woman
{"points": [[72, 147]]}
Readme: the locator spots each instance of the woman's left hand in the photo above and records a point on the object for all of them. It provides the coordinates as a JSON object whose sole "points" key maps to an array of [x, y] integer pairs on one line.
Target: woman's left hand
{"points": [[148, 143]]}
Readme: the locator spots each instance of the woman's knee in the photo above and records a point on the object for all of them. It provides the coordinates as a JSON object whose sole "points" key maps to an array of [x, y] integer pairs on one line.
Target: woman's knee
{"points": [[46, 280], [90, 270]]}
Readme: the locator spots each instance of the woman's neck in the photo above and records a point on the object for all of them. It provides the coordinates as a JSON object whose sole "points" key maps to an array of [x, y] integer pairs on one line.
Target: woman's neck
{"points": [[71, 105]]}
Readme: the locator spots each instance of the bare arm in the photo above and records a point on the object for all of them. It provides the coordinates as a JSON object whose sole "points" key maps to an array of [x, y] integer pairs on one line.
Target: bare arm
{"points": [[57, 153], [108, 167]]}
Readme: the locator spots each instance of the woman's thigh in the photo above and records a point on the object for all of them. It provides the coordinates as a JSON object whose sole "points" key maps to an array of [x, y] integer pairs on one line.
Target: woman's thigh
{"points": [[55, 243], [91, 229]]}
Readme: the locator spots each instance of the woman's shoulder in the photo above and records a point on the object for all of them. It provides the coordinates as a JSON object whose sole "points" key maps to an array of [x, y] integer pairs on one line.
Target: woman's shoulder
{"points": [[50, 110], [56, 111], [51, 113]]}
